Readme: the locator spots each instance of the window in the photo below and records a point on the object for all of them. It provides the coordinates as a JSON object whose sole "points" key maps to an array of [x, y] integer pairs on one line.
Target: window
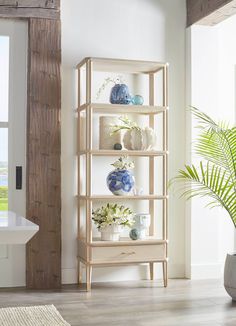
{"points": [[4, 91]]}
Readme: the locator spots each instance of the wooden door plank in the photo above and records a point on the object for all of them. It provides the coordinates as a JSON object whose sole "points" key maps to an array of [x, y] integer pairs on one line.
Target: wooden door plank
{"points": [[43, 206]]}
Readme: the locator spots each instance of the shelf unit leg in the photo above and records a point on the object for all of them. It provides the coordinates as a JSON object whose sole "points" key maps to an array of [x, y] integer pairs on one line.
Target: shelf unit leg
{"points": [[165, 273], [151, 269], [88, 277], [79, 272]]}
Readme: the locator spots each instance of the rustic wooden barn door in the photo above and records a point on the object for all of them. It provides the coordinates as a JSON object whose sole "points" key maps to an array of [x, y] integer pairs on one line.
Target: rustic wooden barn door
{"points": [[43, 153]]}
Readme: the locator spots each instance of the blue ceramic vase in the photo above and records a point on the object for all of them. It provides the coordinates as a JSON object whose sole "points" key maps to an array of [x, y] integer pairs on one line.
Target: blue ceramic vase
{"points": [[137, 100], [120, 182], [134, 234], [120, 94]]}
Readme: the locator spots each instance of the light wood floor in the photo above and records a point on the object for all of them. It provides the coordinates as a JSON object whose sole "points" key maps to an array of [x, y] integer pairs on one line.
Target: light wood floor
{"points": [[143, 303]]}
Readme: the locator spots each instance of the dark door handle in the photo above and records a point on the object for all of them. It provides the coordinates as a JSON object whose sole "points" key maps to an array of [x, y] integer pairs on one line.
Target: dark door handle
{"points": [[18, 177]]}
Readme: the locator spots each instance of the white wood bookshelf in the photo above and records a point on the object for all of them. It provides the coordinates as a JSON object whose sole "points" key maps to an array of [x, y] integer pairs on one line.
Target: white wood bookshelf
{"points": [[93, 252]]}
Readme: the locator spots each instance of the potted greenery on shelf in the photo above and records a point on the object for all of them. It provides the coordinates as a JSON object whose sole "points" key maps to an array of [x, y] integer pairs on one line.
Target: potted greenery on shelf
{"points": [[110, 220], [215, 177]]}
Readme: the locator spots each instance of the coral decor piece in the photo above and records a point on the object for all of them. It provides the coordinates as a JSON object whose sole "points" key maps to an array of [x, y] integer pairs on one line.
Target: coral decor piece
{"points": [[135, 137]]}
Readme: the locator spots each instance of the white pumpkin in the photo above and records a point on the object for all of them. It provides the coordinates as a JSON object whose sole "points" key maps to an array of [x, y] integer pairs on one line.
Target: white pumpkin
{"points": [[140, 139]]}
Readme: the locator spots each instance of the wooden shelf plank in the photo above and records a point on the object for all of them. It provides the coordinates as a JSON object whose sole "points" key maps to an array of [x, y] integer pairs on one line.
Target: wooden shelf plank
{"points": [[98, 152], [126, 242], [133, 262], [124, 109], [128, 197], [125, 66]]}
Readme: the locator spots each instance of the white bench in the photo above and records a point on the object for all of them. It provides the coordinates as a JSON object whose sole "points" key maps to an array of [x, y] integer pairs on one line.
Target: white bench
{"points": [[15, 229]]}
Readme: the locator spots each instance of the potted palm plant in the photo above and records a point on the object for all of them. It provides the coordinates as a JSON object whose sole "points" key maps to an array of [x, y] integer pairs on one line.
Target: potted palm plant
{"points": [[215, 177]]}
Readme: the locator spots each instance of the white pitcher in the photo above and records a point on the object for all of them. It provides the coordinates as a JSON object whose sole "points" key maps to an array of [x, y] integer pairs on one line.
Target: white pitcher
{"points": [[142, 223]]}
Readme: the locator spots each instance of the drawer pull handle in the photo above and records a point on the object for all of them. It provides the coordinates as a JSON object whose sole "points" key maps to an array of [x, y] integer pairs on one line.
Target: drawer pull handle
{"points": [[128, 253]]}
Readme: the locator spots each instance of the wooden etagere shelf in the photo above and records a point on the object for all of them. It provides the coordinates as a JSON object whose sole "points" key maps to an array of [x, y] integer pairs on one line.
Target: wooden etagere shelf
{"points": [[121, 108], [91, 250]]}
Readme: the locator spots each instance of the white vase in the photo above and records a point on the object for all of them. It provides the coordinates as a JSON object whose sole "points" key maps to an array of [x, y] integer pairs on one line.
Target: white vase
{"points": [[230, 275], [140, 139], [111, 233], [106, 140], [142, 222]]}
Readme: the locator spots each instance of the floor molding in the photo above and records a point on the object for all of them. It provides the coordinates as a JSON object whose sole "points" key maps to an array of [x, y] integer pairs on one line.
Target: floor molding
{"points": [[206, 271]]}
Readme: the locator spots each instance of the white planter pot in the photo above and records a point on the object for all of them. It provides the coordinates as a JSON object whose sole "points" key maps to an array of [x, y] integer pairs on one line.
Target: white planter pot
{"points": [[111, 233], [230, 275]]}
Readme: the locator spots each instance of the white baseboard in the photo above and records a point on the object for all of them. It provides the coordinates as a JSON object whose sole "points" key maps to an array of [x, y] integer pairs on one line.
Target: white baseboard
{"points": [[176, 270], [69, 276], [206, 271]]}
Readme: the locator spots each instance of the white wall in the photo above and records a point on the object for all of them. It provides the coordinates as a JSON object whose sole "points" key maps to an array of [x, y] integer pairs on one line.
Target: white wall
{"points": [[135, 29], [212, 79]]}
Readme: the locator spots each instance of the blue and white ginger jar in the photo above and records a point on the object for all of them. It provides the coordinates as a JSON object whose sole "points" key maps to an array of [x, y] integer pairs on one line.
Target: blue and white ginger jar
{"points": [[120, 94], [120, 182]]}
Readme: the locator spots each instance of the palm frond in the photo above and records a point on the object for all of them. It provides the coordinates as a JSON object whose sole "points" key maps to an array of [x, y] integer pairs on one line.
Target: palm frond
{"points": [[210, 180], [204, 121], [219, 147]]}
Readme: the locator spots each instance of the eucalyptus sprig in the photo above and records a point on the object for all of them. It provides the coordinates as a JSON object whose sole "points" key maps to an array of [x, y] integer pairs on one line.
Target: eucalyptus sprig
{"points": [[118, 80], [126, 124]]}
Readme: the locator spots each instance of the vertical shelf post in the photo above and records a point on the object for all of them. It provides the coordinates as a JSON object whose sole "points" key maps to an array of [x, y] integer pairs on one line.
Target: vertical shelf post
{"points": [[88, 170], [151, 168], [79, 171], [165, 167], [151, 159]]}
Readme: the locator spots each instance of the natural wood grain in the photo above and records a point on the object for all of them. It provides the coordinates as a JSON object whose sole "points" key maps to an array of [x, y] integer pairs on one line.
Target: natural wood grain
{"points": [[43, 154], [219, 15], [123, 65], [49, 9], [151, 158], [48, 4], [104, 152], [198, 9], [143, 303], [8, 12], [118, 198], [123, 108]]}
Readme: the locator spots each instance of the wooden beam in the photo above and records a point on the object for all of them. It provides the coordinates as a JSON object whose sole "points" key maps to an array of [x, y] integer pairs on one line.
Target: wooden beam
{"points": [[47, 4], [49, 9], [43, 206], [199, 9], [11, 12]]}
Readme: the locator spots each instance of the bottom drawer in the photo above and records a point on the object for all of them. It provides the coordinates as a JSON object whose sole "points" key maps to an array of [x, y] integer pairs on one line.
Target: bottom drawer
{"points": [[152, 252]]}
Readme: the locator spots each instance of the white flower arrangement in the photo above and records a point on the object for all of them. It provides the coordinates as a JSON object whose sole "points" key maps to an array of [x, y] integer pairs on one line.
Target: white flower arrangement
{"points": [[123, 163], [112, 214]]}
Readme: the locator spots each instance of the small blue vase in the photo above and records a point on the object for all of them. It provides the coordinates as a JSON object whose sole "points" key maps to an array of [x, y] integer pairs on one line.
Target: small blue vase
{"points": [[120, 182], [137, 100], [120, 94], [134, 234]]}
